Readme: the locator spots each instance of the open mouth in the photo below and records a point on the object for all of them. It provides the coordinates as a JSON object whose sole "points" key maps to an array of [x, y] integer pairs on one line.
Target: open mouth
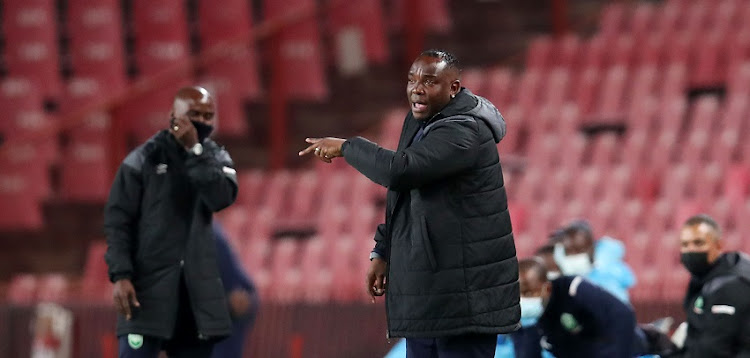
{"points": [[418, 107]]}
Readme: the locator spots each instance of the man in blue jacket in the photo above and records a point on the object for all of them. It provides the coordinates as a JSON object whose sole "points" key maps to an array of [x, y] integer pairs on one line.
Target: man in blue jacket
{"points": [[241, 294]]}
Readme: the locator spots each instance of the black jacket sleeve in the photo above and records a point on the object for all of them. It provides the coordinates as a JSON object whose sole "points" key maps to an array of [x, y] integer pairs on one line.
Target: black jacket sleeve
{"points": [[121, 218], [448, 148], [215, 178], [381, 244], [724, 313], [615, 319]]}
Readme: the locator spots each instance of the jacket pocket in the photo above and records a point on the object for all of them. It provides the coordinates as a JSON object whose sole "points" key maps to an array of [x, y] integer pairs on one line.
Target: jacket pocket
{"points": [[427, 244]]}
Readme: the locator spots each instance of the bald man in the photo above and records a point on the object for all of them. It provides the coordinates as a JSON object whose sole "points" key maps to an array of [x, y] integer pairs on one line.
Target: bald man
{"points": [[717, 304], [445, 256], [161, 252]]}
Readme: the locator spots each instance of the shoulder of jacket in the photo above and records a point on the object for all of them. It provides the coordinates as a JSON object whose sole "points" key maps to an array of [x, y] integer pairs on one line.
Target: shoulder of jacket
{"points": [[137, 158], [727, 286], [219, 151]]}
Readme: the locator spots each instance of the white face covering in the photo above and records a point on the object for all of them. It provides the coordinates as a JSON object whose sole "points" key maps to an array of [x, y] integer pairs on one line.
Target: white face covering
{"points": [[572, 265], [552, 275]]}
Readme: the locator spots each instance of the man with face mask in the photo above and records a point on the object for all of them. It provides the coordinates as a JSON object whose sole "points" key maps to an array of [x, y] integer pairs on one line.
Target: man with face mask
{"points": [[161, 252], [717, 304], [575, 318], [600, 262]]}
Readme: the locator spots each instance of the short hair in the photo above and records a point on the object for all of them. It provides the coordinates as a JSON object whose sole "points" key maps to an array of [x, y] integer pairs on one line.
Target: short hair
{"points": [[546, 250], [577, 226], [450, 59], [536, 264], [703, 219]]}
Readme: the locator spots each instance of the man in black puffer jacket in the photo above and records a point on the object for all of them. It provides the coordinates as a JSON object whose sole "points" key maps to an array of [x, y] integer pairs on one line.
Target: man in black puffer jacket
{"points": [[161, 252], [446, 249]]}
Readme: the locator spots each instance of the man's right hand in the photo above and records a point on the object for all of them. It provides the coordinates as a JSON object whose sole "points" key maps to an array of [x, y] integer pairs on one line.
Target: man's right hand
{"points": [[124, 296], [376, 278]]}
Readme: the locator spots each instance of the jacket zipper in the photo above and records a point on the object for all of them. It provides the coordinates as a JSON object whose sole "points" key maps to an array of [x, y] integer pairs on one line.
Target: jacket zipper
{"points": [[201, 336]]}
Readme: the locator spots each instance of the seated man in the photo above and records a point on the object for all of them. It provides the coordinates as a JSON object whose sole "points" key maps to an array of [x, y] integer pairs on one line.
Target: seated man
{"points": [[576, 318], [599, 261]]}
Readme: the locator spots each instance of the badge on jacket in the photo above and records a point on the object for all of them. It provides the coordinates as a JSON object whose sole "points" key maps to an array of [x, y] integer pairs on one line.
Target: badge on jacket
{"points": [[698, 305], [161, 168], [570, 323], [135, 341]]}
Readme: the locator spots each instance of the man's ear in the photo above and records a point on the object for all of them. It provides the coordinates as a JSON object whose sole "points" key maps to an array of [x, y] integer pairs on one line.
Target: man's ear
{"points": [[455, 87]]}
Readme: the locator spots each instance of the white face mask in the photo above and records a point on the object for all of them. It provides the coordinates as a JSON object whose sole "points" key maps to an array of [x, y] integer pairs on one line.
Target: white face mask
{"points": [[531, 307], [572, 265]]}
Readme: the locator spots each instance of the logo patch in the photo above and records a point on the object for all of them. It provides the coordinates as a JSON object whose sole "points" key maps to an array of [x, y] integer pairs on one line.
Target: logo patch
{"points": [[698, 306], [135, 341], [570, 323], [722, 309], [161, 168]]}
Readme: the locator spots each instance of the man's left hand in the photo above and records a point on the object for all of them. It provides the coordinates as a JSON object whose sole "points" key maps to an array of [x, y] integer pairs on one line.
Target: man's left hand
{"points": [[324, 148]]}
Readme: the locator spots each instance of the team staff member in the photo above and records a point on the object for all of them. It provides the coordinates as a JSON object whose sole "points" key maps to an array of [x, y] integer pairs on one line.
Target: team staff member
{"points": [[717, 304], [161, 253], [447, 242]]}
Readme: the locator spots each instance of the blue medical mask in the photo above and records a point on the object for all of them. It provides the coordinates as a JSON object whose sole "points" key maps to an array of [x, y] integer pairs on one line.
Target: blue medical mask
{"points": [[531, 309], [572, 265]]}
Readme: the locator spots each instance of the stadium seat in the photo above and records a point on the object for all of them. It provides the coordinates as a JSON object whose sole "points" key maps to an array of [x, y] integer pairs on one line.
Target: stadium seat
{"points": [[96, 48], [556, 90], [624, 52], [587, 90], [95, 285], [85, 175], [298, 52], [566, 53], [612, 20], [24, 120], [22, 289], [539, 53], [161, 35], [651, 51], [234, 220], [475, 80], [25, 163], [53, 288], [81, 95], [595, 53], [434, 12], [643, 88], [642, 21], [254, 256], [611, 105], [529, 90], [679, 46], [364, 22], [736, 182], [303, 195], [603, 151], [31, 43], [499, 87], [145, 114], [231, 120]]}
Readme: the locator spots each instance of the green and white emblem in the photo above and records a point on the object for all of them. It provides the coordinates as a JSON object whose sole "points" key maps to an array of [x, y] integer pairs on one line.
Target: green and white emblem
{"points": [[698, 306], [135, 341], [570, 323]]}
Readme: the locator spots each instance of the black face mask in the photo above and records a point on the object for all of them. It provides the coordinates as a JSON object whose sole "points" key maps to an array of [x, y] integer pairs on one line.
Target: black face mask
{"points": [[204, 130], [696, 262]]}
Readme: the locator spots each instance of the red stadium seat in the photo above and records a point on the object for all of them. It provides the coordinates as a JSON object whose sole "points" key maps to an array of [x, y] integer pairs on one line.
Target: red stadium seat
{"points": [[230, 119], [556, 91], [22, 289], [255, 254], [587, 90], [85, 175], [24, 119], [298, 51], [275, 192], [595, 53], [250, 187], [161, 34], [624, 52], [643, 88], [31, 43], [642, 21], [304, 192], [359, 29], [679, 47], [736, 182], [539, 53], [566, 52], [24, 162], [95, 285], [499, 88], [234, 220], [612, 21], [710, 62], [603, 151], [667, 19], [529, 90], [96, 48], [613, 90], [146, 114], [53, 288], [81, 94], [474, 80], [651, 51]]}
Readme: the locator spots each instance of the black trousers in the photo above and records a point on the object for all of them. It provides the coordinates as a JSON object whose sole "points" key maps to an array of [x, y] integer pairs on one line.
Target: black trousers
{"points": [[466, 346], [184, 343]]}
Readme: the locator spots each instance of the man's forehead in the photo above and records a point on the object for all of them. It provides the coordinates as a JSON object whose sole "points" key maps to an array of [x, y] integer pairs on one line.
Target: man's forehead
{"points": [[428, 66], [701, 230]]}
